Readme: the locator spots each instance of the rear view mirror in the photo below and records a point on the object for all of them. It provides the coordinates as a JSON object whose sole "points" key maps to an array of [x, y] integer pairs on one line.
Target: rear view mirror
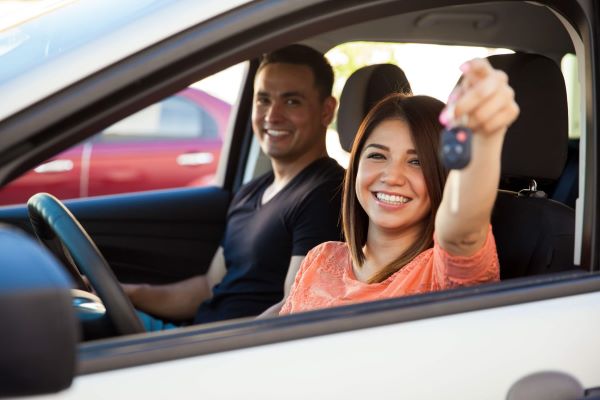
{"points": [[40, 332]]}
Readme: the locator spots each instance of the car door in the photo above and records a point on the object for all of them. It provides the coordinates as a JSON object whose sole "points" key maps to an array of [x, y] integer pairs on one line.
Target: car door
{"points": [[173, 143], [61, 175]]}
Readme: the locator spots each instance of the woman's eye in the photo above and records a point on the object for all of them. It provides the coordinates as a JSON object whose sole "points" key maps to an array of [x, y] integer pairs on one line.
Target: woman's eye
{"points": [[415, 161], [376, 156]]}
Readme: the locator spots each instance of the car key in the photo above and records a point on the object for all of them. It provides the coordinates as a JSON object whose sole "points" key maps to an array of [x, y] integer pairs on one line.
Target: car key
{"points": [[455, 152], [456, 147]]}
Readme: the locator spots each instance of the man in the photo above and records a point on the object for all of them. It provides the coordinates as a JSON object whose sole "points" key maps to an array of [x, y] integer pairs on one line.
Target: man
{"points": [[276, 219]]}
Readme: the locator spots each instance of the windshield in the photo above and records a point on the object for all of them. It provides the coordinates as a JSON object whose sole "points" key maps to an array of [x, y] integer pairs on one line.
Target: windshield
{"points": [[66, 41], [56, 33]]}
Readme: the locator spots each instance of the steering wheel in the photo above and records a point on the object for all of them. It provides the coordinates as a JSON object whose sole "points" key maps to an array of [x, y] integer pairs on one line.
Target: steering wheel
{"points": [[57, 229]]}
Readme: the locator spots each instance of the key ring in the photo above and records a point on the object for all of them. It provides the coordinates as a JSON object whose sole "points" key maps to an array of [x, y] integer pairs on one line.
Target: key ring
{"points": [[464, 119]]}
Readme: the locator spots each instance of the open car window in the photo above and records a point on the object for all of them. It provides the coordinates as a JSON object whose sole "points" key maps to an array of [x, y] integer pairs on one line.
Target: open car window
{"points": [[173, 143]]}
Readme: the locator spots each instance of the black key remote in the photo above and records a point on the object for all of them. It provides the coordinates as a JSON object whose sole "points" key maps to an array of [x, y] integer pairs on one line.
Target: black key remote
{"points": [[455, 147]]}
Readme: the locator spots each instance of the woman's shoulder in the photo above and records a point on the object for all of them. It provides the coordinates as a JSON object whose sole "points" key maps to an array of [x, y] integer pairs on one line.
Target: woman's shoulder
{"points": [[329, 249], [327, 253]]}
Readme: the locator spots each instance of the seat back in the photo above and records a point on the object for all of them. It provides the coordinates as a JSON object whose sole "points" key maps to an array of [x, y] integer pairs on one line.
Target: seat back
{"points": [[365, 87], [534, 235]]}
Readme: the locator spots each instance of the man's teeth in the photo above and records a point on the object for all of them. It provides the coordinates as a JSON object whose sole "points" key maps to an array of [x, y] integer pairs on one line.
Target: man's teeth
{"points": [[273, 132], [392, 198]]}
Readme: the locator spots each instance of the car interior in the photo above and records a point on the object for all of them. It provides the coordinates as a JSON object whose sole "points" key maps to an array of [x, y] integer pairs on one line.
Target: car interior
{"points": [[169, 235]]}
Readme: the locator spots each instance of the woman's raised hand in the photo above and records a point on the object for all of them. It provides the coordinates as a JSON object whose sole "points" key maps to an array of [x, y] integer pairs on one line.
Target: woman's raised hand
{"points": [[484, 97]]}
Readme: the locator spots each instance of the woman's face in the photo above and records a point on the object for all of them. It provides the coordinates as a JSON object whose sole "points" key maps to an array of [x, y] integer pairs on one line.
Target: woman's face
{"points": [[390, 185]]}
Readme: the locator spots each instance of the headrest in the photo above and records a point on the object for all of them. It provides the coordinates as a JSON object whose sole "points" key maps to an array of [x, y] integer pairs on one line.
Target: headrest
{"points": [[536, 144], [365, 87]]}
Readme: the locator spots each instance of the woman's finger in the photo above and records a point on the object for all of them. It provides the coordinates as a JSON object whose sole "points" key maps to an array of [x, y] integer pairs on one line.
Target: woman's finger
{"points": [[480, 92], [475, 70], [480, 117], [496, 120]]}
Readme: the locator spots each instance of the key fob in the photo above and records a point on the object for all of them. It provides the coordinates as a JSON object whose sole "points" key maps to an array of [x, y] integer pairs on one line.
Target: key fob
{"points": [[455, 147]]}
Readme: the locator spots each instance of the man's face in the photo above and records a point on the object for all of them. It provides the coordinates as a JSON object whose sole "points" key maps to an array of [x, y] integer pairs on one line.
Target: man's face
{"points": [[289, 117]]}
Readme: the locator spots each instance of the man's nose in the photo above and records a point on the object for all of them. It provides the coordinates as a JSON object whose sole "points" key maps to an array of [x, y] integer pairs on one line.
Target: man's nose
{"points": [[274, 112]]}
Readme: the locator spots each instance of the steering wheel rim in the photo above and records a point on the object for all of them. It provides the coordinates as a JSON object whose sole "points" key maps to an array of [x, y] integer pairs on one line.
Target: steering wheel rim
{"points": [[53, 223]]}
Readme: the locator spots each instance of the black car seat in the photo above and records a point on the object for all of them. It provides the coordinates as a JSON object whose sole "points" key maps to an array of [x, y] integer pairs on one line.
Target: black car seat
{"points": [[534, 235], [365, 87], [566, 189]]}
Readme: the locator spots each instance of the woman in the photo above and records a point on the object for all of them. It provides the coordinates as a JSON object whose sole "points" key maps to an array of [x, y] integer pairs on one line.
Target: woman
{"points": [[403, 234]]}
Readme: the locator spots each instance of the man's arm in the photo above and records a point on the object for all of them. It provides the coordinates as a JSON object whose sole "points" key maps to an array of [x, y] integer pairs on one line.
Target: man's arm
{"points": [[295, 263], [179, 300]]}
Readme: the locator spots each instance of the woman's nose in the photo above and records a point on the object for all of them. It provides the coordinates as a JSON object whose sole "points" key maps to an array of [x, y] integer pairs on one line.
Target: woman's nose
{"points": [[393, 175]]}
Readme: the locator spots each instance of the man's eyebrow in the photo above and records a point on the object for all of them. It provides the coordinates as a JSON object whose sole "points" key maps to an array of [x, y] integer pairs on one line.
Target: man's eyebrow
{"points": [[293, 94], [284, 95]]}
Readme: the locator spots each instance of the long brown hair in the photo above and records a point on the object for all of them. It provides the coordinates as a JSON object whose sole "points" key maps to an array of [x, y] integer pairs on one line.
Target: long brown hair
{"points": [[421, 114]]}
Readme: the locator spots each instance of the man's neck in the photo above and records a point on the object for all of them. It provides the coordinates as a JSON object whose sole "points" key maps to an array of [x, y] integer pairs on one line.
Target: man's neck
{"points": [[284, 172]]}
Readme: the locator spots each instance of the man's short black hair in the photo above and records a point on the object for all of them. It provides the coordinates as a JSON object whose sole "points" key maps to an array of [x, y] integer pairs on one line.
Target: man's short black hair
{"points": [[300, 54]]}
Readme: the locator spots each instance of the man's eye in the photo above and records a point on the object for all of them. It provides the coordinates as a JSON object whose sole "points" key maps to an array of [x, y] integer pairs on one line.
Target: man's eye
{"points": [[262, 101], [292, 102]]}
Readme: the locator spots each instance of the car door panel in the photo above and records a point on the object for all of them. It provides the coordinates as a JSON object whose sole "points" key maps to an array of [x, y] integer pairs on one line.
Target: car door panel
{"points": [[155, 237], [463, 347]]}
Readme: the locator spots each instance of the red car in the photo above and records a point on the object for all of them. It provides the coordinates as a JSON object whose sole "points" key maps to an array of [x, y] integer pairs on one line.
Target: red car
{"points": [[173, 143]]}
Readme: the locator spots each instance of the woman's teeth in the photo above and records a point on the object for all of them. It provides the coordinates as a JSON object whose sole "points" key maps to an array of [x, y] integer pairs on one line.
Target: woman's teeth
{"points": [[391, 198]]}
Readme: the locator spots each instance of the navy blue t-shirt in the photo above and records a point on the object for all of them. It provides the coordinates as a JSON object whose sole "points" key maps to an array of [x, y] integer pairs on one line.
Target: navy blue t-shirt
{"points": [[260, 239]]}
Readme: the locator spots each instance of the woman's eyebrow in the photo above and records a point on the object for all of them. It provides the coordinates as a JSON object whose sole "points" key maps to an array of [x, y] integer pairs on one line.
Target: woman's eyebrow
{"points": [[377, 146], [386, 148]]}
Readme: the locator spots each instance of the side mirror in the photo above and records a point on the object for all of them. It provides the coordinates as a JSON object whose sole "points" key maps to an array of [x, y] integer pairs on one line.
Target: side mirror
{"points": [[40, 331]]}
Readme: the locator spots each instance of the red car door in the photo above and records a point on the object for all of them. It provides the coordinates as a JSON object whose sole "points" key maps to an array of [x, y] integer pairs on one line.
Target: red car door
{"points": [[173, 143], [60, 176]]}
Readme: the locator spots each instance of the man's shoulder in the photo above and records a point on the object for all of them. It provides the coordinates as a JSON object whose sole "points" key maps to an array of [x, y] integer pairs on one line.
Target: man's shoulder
{"points": [[323, 173], [326, 168], [255, 184]]}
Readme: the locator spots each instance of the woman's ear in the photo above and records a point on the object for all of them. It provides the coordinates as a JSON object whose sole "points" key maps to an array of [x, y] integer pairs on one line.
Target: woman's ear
{"points": [[329, 105]]}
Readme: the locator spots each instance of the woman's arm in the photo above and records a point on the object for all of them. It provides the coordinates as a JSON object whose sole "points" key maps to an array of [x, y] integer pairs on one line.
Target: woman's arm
{"points": [[487, 101]]}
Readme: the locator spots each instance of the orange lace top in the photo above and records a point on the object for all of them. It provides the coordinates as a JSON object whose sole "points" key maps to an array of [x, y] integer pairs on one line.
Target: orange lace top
{"points": [[326, 278]]}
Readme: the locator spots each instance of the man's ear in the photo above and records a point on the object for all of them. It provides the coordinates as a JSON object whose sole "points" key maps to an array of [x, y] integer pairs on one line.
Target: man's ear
{"points": [[329, 105]]}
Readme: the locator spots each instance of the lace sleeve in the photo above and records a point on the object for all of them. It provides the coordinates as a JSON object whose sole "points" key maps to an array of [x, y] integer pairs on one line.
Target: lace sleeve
{"points": [[453, 271]]}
